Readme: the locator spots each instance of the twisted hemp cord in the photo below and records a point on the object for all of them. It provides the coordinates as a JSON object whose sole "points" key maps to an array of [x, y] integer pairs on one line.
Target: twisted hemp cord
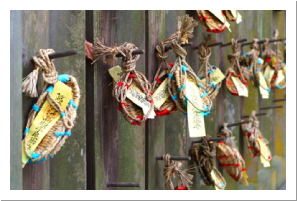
{"points": [[229, 156], [210, 22], [206, 70], [203, 155], [236, 69], [132, 113], [51, 144], [181, 71], [252, 133], [172, 168], [161, 74]]}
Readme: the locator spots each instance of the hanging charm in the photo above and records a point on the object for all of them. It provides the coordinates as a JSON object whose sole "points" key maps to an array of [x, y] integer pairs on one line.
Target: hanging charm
{"points": [[52, 117], [172, 168], [131, 89], [257, 145], [164, 105], [251, 60], [211, 77], [274, 67], [230, 158], [203, 155], [213, 20], [236, 76]]}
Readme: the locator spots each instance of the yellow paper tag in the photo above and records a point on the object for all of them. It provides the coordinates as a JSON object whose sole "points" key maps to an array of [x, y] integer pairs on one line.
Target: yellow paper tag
{"points": [[280, 77], [265, 153], [161, 94], [194, 116], [46, 118], [217, 76], [263, 86], [273, 60], [133, 93], [284, 70], [218, 14], [241, 88], [244, 181], [269, 72], [245, 174]]}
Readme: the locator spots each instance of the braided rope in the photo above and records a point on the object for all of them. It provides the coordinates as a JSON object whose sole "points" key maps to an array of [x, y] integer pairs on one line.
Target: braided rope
{"points": [[206, 70], [210, 22], [132, 113], [51, 144], [203, 155], [252, 133], [235, 69], [172, 168], [229, 156]]}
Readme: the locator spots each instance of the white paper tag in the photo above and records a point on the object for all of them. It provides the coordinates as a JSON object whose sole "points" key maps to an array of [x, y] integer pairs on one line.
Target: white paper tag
{"points": [[133, 93], [263, 86], [239, 18], [241, 88], [269, 72], [218, 14], [280, 77], [194, 116], [161, 94]]}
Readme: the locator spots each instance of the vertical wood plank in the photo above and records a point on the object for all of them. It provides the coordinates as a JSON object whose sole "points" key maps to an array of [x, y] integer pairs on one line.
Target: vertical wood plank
{"points": [[35, 37], [16, 128], [131, 141], [155, 129], [67, 31]]}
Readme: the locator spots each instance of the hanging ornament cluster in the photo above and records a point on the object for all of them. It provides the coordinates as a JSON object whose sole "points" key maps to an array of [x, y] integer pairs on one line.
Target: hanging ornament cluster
{"points": [[203, 155], [230, 158], [131, 89], [274, 68], [257, 145], [52, 117], [216, 20], [173, 169], [236, 76]]}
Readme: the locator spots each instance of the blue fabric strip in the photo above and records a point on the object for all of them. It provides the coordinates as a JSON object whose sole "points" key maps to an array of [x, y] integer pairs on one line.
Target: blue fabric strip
{"points": [[35, 155], [212, 84], [185, 114], [68, 133], [50, 89], [58, 134], [63, 77], [174, 97], [36, 108], [73, 104], [184, 68], [171, 76], [62, 114]]}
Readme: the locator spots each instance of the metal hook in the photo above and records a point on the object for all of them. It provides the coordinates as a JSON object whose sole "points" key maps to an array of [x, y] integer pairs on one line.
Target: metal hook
{"points": [[218, 139], [258, 114], [271, 107], [238, 41], [178, 158], [168, 47], [122, 184]]}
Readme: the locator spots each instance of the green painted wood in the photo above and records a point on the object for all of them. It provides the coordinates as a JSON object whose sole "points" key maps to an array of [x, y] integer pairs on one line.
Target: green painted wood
{"points": [[130, 27], [16, 130], [155, 129], [35, 37], [67, 31], [98, 140]]}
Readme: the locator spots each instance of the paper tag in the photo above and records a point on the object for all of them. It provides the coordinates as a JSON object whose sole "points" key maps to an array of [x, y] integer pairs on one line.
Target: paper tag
{"points": [[46, 118], [161, 94], [263, 86], [265, 153], [133, 93], [195, 117], [216, 181], [273, 60], [244, 181], [245, 174], [218, 14], [284, 70], [280, 77], [217, 76], [269, 72], [239, 18], [241, 88]]}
